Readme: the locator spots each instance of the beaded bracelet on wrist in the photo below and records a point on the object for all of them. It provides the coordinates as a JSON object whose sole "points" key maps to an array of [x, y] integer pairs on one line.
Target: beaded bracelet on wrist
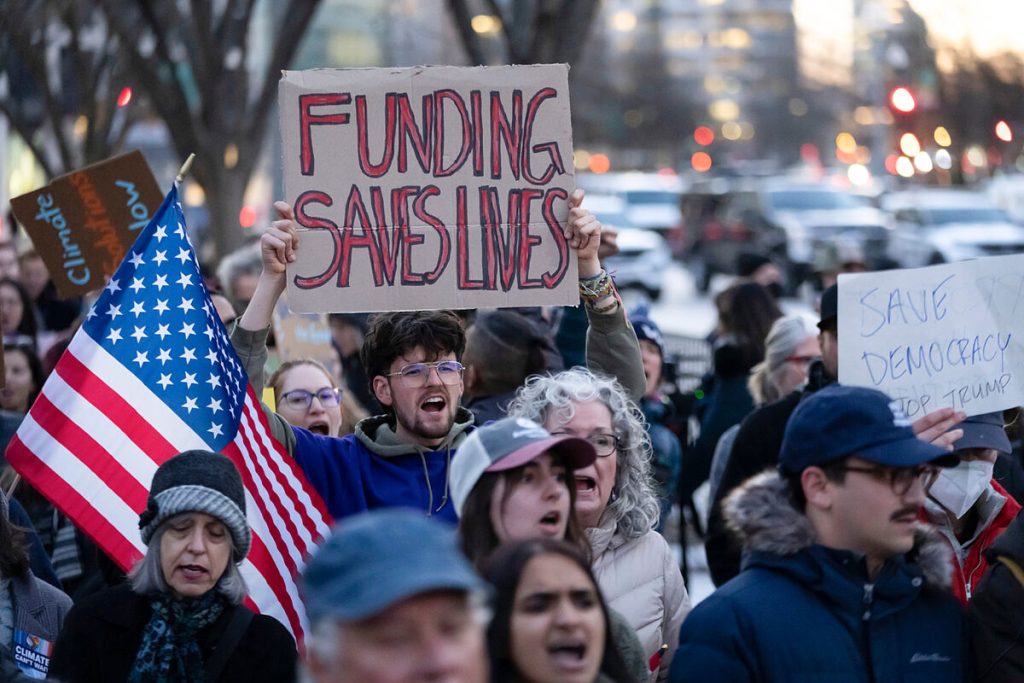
{"points": [[597, 287]]}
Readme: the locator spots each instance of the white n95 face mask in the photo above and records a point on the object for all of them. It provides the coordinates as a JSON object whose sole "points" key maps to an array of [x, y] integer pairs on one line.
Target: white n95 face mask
{"points": [[958, 488]]}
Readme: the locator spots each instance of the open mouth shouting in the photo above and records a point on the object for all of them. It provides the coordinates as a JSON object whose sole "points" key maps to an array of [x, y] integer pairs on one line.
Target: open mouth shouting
{"points": [[434, 404], [568, 654], [552, 524], [586, 485], [319, 427]]}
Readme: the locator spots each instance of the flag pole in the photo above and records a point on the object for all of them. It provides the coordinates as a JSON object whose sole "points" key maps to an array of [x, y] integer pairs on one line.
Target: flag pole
{"points": [[14, 484], [185, 168]]}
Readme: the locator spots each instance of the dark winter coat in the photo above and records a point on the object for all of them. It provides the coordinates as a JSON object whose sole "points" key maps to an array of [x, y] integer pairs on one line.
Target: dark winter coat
{"points": [[755, 449], [802, 612], [997, 613], [102, 634]]}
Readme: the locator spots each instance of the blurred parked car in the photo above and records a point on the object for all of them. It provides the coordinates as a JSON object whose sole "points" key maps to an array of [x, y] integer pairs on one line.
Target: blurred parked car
{"points": [[940, 226], [610, 209], [641, 262], [787, 222], [650, 200], [1007, 192]]}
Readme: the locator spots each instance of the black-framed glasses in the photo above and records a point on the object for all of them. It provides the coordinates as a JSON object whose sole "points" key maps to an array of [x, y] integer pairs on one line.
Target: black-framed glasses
{"points": [[416, 374], [604, 444], [300, 399], [901, 479]]}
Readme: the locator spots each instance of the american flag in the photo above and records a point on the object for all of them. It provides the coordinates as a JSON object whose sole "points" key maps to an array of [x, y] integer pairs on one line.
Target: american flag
{"points": [[152, 373]]}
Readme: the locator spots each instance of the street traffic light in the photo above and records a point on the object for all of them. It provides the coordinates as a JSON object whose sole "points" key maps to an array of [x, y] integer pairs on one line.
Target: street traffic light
{"points": [[902, 100]]}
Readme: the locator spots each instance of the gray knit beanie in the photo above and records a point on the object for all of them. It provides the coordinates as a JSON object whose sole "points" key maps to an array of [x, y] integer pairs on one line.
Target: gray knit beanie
{"points": [[198, 481]]}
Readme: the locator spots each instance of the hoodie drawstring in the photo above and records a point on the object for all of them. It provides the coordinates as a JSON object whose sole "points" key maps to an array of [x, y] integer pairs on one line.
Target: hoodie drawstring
{"points": [[447, 472], [430, 489]]}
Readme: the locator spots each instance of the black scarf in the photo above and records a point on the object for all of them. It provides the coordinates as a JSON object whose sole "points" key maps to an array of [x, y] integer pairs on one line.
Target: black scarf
{"points": [[169, 651]]}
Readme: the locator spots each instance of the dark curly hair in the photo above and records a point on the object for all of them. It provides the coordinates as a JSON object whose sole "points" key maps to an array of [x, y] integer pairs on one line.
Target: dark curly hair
{"points": [[395, 333]]}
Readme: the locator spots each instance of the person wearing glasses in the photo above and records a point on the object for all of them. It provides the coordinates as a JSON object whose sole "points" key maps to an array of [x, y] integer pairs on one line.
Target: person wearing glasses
{"points": [[616, 503], [840, 581], [412, 360], [305, 396]]}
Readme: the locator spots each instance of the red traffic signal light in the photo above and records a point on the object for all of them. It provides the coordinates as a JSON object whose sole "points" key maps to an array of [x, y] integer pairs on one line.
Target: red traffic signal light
{"points": [[124, 97], [902, 100]]}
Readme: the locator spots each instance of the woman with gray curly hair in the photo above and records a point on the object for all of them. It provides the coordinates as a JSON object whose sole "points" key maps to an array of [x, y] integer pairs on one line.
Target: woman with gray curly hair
{"points": [[616, 503]]}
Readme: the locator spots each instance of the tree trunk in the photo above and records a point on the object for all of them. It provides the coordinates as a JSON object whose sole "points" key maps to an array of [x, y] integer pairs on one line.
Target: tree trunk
{"points": [[225, 192]]}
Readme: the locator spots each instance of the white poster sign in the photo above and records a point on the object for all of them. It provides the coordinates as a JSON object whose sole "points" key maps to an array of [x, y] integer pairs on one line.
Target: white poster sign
{"points": [[943, 336]]}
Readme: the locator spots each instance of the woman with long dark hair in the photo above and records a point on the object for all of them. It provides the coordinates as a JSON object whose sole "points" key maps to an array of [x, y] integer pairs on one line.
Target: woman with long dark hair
{"points": [[511, 483], [550, 624]]}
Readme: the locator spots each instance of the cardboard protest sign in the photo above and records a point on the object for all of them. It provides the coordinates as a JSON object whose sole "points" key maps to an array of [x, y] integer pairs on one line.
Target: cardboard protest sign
{"points": [[304, 335], [942, 336], [429, 187], [82, 223]]}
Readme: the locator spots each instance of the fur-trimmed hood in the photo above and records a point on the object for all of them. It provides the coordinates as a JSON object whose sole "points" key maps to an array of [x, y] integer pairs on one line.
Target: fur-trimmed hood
{"points": [[762, 516]]}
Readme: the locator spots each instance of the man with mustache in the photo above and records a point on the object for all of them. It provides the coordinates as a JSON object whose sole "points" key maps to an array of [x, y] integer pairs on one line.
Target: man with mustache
{"points": [[839, 581]]}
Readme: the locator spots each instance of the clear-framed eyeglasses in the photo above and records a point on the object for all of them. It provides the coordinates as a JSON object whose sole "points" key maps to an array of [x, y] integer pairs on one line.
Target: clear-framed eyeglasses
{"points": [[415, 375], [300, 399], [604, 444]]}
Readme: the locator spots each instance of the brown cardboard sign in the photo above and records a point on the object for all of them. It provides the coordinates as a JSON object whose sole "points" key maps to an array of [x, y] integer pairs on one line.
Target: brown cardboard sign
{"points": [[82, 223], [429, 187], [304, 335]]}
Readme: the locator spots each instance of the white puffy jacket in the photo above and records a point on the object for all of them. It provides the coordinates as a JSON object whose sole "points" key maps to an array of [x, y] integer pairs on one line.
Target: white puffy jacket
{"points": [[640, 579]]}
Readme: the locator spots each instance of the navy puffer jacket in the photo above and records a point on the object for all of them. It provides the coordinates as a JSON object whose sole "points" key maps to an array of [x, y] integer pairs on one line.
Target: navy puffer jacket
{"points": [[800, 612]]}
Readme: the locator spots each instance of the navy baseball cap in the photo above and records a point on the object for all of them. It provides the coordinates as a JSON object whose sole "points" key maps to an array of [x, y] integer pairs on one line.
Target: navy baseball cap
{"points": [[376, 559], [646, 329], [838, 421], [984, 431]]}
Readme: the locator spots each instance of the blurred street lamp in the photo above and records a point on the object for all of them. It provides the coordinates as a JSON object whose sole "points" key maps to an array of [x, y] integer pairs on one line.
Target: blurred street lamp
{"points": [[247, 217], [230, 155], [600, 163], [858, 174], [845, 142], [942, 137], [902, 100], [1003, 131], [703, 136], [623, 20], [943, 159], [701, 162], [724, 110], [923, 162], [905, 167], [910, 145], [487, 24], [732, 130]]}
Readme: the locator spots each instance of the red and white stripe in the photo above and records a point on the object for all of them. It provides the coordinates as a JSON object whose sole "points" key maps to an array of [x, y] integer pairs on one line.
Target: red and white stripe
{"points": [[96, 435]]}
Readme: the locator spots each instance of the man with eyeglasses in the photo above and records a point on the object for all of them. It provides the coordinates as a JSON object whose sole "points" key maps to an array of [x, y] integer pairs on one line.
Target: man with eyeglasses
{"points": [[840, 580], [412, 362]]}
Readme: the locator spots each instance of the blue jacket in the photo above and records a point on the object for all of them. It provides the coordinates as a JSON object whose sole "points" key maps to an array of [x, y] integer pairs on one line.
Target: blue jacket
{"points": [[372, 468], [800, 612]]}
